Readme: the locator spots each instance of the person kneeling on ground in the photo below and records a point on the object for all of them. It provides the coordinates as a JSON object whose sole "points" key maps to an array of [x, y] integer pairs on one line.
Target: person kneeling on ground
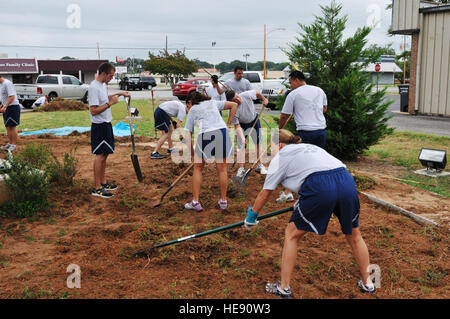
{"points": [[213, 141], [163, 123], [325, 187]]}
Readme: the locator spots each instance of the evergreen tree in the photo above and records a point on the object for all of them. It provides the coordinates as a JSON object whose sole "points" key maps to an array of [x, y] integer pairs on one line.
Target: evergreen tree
{"points": [[355, 117]]}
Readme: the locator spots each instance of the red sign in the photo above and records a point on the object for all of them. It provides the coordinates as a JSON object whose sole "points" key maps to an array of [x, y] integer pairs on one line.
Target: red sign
{"points": [[377, 68], [18, 66]]}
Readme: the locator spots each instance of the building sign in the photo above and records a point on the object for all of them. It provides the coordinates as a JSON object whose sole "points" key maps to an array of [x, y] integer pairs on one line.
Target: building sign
{"points": [[26, 66], [121, 69]]}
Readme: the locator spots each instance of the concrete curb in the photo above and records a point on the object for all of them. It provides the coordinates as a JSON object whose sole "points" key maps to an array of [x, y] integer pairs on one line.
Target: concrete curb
{"points": [[419, 219]]}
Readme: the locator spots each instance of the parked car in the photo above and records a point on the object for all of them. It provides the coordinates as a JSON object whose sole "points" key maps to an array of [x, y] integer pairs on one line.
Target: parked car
{"points": [[182, 90], [147, 82], [52, 85], [131, 83]]}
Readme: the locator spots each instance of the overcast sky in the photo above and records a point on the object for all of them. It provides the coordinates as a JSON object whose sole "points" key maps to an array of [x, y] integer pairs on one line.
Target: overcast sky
{"points": [[128, 28]]}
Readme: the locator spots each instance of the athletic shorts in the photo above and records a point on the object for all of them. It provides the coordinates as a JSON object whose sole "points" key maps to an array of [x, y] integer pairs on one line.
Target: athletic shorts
{"points": [[102, 139], [325, 193], [214, 144], [256, 133], [318, 138], [11, 117], [162, 120]]}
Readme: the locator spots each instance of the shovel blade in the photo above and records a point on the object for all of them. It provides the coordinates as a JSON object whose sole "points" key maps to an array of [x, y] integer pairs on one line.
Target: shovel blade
{"points": [[137, 167]]}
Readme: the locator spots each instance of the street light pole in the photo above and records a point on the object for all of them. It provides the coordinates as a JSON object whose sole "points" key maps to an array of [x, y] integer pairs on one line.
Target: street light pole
{"points": [[265, 46]]}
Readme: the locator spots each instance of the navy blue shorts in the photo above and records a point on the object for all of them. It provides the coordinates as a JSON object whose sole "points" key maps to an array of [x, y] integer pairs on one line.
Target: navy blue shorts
{"points": [[162, 120], [102, 139], [318, 138], [11, 117], [325, 193], [214, 144], [256, 133]]}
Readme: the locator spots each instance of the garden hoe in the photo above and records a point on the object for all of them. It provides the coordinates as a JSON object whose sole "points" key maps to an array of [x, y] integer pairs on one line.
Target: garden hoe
{"points": [[153, 108], [150, 250], [134, 157], [242, 181], [159, 202]]}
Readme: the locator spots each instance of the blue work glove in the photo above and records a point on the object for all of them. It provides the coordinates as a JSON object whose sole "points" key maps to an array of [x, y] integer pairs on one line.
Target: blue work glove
{"points": [[251, 219]]}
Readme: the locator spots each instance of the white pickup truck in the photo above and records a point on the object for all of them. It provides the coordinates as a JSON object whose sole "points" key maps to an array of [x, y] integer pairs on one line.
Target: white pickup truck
{"points": [[275, 87], [52, 85]]}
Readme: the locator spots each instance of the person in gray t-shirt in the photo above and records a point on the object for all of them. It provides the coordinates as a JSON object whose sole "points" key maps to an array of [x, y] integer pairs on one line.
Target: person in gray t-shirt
{"points": [[238, 84], [11, 113], [102, 137]]}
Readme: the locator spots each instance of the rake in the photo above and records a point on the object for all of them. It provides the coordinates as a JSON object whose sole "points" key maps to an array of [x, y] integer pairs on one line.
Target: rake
{"points": [[148, 251]]}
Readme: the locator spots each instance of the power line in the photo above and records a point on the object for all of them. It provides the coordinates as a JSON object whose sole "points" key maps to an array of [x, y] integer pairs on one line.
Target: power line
{"points": [[126, 48]]}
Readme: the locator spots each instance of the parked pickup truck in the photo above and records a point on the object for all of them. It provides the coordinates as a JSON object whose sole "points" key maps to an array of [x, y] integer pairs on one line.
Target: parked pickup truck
{"points": [[53, 85], [257, 82]]}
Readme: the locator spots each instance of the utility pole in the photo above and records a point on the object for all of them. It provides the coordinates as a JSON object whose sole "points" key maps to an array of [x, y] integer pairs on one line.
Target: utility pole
{"points": [[265, 49], [246, 62], [98, 50], [167, 41]]}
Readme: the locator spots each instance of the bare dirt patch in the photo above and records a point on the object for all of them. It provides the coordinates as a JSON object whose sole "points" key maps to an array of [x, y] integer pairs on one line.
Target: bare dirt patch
{"points": [[98, 235]]}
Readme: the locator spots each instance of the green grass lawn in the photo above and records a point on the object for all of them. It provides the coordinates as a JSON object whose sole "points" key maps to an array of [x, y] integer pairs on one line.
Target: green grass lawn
{"points": [[403, 149]]}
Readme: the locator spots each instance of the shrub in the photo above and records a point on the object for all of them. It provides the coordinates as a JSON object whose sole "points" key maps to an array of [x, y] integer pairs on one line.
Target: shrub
{"points": [[63, 173], [37, 155], [28, 188]]}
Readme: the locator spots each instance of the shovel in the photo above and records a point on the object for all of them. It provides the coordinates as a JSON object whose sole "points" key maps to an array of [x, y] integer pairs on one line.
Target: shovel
{"points": [[134, 157], [159, 202], [148, 251], [153, 107]]}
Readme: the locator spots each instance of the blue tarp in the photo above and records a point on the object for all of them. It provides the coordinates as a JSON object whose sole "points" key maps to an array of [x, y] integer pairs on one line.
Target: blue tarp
{"points": [[120, 130]]}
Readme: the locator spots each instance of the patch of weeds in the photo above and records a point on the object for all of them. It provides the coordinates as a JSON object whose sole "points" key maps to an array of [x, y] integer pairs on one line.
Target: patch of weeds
{"points": [[29, 239], [363, 182], [132, 202], [224, 262], [34, 293], [4, 262], [247, 273], [23, 274], [395, 276], [312, 268], [331, 272], [255, 231], [62, 232], [244, 253], [52, 220], [64, 295], [387, 232]]}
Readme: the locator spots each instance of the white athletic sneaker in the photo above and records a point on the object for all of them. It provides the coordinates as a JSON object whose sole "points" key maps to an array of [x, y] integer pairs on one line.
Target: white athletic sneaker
{"points": [[5, 147], [240, 172], [285, 198], [12, 148], [261, 169]]}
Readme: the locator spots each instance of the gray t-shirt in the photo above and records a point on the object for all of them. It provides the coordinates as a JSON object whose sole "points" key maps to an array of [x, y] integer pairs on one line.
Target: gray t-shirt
{"points": [[214, 95], [174, 109], [7, 89], [306, 103], [206, 116], [98, 96], [246, 112], [295, 162], [240, 86]]}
